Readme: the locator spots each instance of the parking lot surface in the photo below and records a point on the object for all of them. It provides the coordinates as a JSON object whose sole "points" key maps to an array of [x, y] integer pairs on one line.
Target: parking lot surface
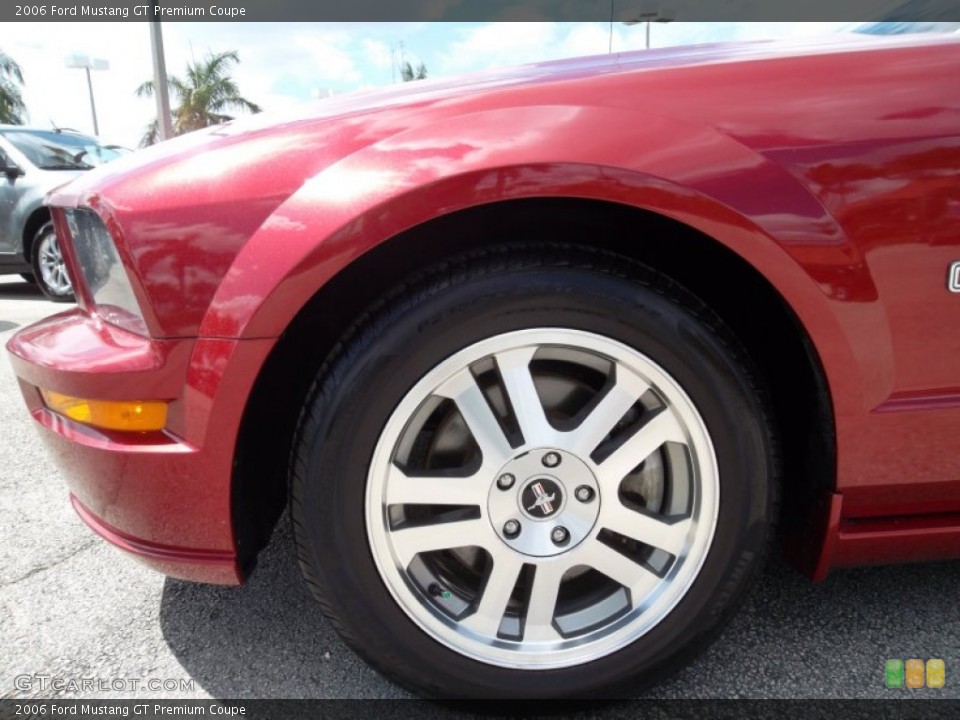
{"points": [[75, 608]]}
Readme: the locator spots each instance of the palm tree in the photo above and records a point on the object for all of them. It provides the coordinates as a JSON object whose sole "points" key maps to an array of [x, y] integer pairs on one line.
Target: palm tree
{"points": [[12, 109], [407, 72], [202, 97]]}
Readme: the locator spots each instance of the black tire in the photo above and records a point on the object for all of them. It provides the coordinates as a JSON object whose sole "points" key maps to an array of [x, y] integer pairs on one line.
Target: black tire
{"points": [[56, 292], [452, 307]]}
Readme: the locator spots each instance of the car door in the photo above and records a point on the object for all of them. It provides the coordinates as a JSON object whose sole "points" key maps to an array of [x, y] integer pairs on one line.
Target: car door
{"points": [[8, 199]]}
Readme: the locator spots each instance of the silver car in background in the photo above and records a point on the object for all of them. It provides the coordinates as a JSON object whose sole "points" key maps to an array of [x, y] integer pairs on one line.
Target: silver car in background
{"points": [[32, 163]]}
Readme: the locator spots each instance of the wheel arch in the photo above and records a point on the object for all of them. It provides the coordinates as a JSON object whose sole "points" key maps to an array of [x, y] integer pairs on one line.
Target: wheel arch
{"points": [[756, 311], [37, 219]]}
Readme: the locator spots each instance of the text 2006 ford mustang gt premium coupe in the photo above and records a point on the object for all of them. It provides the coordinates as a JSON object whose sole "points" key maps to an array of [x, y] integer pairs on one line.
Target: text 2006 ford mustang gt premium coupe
{"points": [[535, 358]]}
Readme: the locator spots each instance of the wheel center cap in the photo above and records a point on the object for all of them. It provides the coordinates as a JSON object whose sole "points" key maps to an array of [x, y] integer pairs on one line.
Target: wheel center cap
{"points": [[544, 502], [541, 498]]}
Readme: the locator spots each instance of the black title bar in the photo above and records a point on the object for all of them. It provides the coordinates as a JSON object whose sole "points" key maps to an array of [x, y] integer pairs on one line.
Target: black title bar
{"points": [[480, 10]]}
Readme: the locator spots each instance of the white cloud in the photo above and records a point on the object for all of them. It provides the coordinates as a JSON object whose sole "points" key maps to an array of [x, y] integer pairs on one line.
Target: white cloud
{"points": [[377, 53], [497, 44]]}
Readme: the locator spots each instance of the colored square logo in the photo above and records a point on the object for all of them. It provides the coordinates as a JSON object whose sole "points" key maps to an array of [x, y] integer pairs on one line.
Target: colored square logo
{"points": [[893, 673], [936, 673], [915, 673]]}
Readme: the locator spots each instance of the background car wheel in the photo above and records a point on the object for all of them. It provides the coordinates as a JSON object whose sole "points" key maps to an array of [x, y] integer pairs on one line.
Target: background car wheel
{"points": [[49, 267], [531, 475]]}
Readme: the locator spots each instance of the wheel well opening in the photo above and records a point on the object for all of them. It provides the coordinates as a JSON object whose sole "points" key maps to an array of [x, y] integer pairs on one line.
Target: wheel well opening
{"points": [[38, 218], [741, 296]]}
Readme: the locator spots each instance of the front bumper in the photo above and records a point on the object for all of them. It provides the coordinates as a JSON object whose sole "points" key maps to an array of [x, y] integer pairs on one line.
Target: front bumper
{"points": [[164, 496]]}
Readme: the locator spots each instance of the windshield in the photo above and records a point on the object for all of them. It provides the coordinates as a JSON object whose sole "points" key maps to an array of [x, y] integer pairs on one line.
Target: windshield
{"points": [[902, 28], [52, 150]]}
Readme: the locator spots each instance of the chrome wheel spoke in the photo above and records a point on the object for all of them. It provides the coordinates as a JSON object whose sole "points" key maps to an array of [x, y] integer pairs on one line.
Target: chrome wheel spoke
{"points": [[404, 489], [542, 604], [409, 542], [514, 368], [619, 568], [662, 428], [464, 391], [495, 594], [649, 530], [625, 392]]}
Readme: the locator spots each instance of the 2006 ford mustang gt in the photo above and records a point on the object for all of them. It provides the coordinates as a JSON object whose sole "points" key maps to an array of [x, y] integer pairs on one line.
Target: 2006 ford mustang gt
{"points": [[535, 358]]}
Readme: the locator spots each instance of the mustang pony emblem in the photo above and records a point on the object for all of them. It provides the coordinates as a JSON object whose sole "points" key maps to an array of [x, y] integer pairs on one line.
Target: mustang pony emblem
{"points": [[544, 499]]}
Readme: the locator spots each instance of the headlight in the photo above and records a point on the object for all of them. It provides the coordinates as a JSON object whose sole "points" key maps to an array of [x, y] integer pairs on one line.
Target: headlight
{"points": [[103, 272]]}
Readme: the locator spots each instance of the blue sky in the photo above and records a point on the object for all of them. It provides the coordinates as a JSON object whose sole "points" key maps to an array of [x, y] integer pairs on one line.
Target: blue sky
{"points": [[284, 64]]}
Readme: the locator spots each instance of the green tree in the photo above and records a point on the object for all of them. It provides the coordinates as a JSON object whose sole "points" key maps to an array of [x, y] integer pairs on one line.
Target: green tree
{"points": [[202, 97], [408, 73], [12, 109]]}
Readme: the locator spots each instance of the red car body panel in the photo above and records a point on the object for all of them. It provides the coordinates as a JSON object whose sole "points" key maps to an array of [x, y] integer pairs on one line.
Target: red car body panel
{"points": [[832, 169]]}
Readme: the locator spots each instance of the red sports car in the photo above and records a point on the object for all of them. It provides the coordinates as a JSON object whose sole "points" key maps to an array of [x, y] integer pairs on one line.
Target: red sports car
{"points": [[536, 359]]}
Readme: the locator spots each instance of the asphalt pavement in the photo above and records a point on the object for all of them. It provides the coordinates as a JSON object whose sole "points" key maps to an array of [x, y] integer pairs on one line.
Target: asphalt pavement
{"points": [[73, 608]]}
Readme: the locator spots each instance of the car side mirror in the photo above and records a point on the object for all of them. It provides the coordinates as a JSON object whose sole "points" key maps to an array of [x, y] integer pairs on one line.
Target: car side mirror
{"points": [[12, 171]]}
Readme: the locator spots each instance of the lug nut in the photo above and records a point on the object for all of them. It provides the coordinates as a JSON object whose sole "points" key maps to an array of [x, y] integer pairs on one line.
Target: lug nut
{"points": [[584, 493], [506, 481], [559, 535], [551, 459], [511, 528]]}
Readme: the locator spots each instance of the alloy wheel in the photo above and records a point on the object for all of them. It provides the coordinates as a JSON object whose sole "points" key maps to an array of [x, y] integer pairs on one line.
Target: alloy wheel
{"points": [[542, 498], [53, 268]]}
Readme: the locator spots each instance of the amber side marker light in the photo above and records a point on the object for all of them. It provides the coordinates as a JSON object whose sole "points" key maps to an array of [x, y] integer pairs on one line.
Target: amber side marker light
{"points": [[130, 415]]}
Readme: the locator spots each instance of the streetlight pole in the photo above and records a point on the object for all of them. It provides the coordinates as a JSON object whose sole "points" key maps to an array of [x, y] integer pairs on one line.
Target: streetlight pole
{"points": [[160, 91], [610, 40], [93, 105], [652, 12], [80, 60]]}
